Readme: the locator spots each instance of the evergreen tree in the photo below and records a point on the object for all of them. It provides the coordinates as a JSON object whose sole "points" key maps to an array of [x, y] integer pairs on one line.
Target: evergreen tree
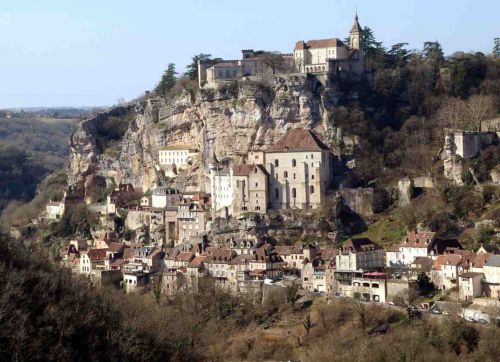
{"points": [[433, 51], [496, 47], [192, 69], [398, 55], [374, 50], [167, 80], [370, 44]]}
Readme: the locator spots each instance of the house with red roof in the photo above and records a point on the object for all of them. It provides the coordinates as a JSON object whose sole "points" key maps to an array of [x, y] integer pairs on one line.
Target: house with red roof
{"points": [[321, 56]]}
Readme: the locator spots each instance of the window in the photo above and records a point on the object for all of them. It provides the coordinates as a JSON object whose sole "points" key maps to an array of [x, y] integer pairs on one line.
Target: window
{"points": [[312, 177], [312, 156], [294, 193], [276, 163], [285, 174], [294, 163], [256, 184], [375, 285], [277, 193], [276, 175], [294, 176], [311, 189]]}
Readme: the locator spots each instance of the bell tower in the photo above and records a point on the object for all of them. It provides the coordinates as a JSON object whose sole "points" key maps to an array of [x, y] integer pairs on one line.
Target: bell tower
{"points": [[356, 35]]}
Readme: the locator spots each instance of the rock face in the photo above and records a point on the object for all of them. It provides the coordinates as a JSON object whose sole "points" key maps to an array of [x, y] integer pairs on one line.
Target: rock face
{"points": [[233, 119]]}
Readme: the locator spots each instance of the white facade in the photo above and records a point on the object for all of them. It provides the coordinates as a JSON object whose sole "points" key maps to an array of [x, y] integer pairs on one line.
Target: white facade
{"points": [[163, 197], [175, 155], [54, 210], [221, 189]]}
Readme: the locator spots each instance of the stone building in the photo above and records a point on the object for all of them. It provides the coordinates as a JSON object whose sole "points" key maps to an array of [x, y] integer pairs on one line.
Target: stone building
{"points": [[176, 154], [359, 255], [328, 55], [252, 63], [250, 192], [300, 170], [192, 218], [165, 196]]}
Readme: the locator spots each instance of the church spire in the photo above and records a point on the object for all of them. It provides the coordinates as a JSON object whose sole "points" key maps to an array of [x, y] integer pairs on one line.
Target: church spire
{"points": [[356, 28]]}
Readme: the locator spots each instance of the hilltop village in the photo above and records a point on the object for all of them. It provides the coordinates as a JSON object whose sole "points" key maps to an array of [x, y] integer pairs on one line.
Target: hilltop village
{"points": [[217, 230]]}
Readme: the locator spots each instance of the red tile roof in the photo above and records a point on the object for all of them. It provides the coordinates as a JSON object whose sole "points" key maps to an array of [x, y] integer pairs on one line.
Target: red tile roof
{"points": [[96, 254], [116, 247], [245, 170], [186, 256], [298, 139], [196, 262], [318, 43], [128, 253], [418, 240], [288, 249]]}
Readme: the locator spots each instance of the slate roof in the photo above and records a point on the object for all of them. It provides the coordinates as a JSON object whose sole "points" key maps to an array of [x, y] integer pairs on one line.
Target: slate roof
{"points": [[298, 139], [356, 27], [493, 260]]}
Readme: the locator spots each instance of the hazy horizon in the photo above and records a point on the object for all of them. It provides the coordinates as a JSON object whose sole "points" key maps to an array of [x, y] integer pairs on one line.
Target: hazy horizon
{"points": [[89, 54]]}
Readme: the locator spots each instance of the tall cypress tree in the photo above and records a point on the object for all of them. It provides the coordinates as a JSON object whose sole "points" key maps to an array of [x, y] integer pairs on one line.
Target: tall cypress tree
{"points": [[167, 81]]}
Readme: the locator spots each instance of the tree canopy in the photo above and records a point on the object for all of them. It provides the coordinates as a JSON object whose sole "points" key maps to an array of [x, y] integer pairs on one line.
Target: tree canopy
{"points": [[167, 81]]}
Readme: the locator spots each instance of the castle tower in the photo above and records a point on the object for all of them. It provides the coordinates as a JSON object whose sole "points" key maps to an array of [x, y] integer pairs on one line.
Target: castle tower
{"points": [[356, 47], [356, 35]]}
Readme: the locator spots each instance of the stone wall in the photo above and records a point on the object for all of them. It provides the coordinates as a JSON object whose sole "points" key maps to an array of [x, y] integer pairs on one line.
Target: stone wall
{"points": [[364, 201]]}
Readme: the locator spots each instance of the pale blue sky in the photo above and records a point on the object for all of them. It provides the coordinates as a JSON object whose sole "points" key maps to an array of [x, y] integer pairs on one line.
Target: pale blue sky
{"points": [[92, 52]]}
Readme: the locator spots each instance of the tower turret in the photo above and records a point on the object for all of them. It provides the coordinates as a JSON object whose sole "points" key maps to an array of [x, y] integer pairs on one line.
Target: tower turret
{"points": [[356, 35]]}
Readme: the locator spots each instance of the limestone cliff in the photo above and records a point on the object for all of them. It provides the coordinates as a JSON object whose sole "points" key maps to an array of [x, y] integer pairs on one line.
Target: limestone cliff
{"points": [[233, 118]]}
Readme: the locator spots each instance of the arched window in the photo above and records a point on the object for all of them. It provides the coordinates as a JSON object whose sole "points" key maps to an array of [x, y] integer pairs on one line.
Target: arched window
{"points": [[276, 163], [285, 174], [294, 193], [294, 163], [277, 193], [311, 189]]}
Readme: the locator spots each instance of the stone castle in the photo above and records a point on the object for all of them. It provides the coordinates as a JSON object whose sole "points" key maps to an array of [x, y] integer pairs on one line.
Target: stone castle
{"points": [[318, 56]]}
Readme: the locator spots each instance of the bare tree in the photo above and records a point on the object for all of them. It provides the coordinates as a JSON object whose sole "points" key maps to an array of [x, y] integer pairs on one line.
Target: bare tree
{"points": [[479, 108], [360, 311], [452, 113], [275, 61]]}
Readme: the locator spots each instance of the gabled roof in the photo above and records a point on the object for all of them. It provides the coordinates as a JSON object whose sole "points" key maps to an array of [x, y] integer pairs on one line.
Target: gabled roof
{"points": [[118, 263], [96, 254], [453, 259], [186, 256], [480, 260], [319, 43], [196, 262], [116, 247], [358, 245], [288, 249], [418, 240], [298, 139]]}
